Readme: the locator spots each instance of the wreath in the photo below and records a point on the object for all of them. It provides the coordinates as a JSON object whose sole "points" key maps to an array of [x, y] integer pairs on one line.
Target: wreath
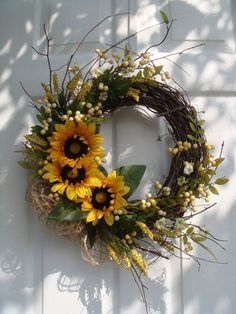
{"points": [[70, 188]]}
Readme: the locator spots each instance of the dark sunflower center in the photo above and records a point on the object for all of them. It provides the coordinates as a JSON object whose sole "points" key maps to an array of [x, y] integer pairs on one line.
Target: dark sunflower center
{"points": [[101, 198], [75, 148], [72, 175]]}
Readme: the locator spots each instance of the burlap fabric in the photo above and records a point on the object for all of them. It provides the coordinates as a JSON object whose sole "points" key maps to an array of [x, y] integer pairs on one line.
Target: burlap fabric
{"points": [[37, 196]]}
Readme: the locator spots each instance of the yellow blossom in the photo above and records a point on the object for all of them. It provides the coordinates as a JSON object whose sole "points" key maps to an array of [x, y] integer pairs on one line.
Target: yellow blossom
{"points": [[113, 255], [134, 93], [55, 82], [145, 229], [139, 261], [106, 199], [85, 88], [49, 96]]}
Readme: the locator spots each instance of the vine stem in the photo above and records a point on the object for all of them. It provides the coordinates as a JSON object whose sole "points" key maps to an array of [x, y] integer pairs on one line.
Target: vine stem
{"points": [[95, 60], [140, 285], [179, 53], [48, 56], [168, 27], [30, 97], [82, 41]]}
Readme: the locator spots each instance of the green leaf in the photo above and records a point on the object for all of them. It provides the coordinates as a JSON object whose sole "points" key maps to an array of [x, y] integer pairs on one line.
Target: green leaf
{"points": [[126, 51], [164, 17], [91, 232], [190, 230], [132, 176], [139, 74], [78, 106], [205, 248], [192, 138], [198, 237], [221, 181], [185, 239], [36, 129], [145, 72], [36, 139], [193, 127], [103, 170], [118, 87], [201, 122], [24, 164], [62, 99], [66, 211], [213, 190], [158, 69], [39, 118], [210, 172], [219, 161]]}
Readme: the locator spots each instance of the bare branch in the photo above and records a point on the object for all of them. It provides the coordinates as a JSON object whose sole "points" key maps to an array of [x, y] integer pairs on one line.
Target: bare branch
{"points": [[201, 211], [179, 52], [83, 39], [168, 27], [94, 60], [30, 97], [38, 52], [142, 288], [48, 56]]}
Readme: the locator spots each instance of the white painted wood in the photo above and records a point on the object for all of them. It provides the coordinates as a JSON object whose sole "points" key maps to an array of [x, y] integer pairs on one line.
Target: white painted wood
{"points": [[210, 81], [211, 290], [41, 273], [209, 68]]}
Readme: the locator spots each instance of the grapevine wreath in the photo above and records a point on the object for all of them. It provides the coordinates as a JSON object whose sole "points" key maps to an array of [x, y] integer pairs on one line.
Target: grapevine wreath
{"points": [[71, 190]]}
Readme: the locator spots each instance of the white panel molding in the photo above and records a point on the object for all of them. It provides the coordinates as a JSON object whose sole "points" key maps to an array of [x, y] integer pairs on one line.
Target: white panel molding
{"points": [[208, 22], [210, 67]]}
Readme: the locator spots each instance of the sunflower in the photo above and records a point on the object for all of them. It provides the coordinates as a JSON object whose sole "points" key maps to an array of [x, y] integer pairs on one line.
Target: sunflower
{"points": [[106, 199], [75, 182], [72, 142]]}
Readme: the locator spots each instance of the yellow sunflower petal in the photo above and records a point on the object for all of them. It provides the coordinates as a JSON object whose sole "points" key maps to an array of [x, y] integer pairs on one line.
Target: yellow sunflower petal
{"points": [[71, 127], [125, 190], [92, 181], [51, 168], [111, 176], [91, 129], [51, 177], [92, 215], [83, 191], [109, 218], [86, 206], [81, 128], [71, 192], [119, 203], [59, 187]]}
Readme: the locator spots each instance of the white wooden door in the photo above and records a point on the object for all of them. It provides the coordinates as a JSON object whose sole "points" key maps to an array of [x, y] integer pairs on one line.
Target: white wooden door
{"points": [[41, 273]]}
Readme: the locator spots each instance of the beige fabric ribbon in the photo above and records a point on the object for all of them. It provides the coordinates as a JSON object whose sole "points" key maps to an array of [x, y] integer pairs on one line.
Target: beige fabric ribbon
{"points": [[37, 196]]}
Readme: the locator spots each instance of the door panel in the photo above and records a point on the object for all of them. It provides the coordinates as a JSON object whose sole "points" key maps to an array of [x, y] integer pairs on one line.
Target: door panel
{"points": [[41, 273]]}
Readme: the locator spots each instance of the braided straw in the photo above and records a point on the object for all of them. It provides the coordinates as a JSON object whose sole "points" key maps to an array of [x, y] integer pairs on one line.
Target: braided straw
{"points": [[37, 196]]}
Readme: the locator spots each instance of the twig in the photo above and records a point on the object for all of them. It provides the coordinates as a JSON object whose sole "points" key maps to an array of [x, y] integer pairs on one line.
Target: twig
{"points": [[38, 52], [30, 97], [143, 287], [117, 44], [48, 57], [168, 27], [82, 41], [180, 52], [201, 211], [207, 232], [176, 64]]}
